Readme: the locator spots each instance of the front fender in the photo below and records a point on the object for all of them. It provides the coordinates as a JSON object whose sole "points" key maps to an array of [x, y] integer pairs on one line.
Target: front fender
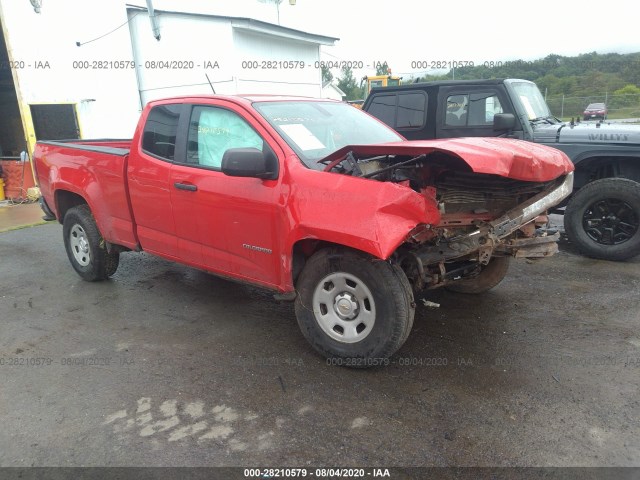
{"points": [[367, 215]]}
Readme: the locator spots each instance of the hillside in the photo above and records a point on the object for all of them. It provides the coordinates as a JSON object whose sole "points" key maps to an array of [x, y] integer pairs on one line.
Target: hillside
{"points": [[583, 75]]}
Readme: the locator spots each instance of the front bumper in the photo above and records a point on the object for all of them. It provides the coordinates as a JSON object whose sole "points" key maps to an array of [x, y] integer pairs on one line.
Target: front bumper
{"points": [[491, 236], [524, 213]]}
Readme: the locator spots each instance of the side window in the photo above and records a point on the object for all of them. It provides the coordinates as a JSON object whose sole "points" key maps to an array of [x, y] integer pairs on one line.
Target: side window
{"points": [[160, 131], [383, 107], [212, 131], [492, 107], [482, 108], [457, 106], [412, 110], [476, 109]]}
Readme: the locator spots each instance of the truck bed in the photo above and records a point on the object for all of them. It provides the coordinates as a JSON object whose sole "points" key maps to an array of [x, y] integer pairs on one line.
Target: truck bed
{"points": [[105, 145], [73, 167]]}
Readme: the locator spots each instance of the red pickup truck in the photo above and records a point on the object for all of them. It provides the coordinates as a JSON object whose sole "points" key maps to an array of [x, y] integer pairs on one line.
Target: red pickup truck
{"points": [[313, 199]]}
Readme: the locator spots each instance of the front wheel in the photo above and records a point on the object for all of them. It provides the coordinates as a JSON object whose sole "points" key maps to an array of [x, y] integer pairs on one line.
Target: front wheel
{"points": [[603, 219], [490, 275], [85, 246], [354, 309]]}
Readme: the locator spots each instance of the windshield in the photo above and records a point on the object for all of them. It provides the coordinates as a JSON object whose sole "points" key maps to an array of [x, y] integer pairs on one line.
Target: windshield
{"points": [[532, 100], [315, 129]]}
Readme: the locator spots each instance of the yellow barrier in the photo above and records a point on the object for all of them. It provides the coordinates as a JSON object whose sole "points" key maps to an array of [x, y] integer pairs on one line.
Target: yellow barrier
{"points": [[2, 197]]}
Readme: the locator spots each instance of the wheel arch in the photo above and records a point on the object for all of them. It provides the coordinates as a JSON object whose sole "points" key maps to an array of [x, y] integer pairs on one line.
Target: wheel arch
{"points": [[304, 248], [597, 165], [65, 200]]}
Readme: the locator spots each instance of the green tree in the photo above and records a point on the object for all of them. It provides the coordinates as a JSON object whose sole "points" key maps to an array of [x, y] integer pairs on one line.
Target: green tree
{"points": [[586, 75], [348, 84], [382, 68], [327, 76], [627, 96], [628, 90]]}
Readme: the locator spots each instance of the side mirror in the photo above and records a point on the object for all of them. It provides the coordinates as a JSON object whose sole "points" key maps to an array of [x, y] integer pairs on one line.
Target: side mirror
{"points": [[504, 121], [248, 162]]}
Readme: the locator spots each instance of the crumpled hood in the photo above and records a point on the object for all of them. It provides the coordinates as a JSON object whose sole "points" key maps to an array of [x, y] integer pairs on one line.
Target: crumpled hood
{"points": [[509, 158], [588, 133]]}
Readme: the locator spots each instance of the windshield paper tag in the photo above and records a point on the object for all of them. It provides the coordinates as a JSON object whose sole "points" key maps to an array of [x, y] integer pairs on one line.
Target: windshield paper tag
{"points": [[302, 136]]}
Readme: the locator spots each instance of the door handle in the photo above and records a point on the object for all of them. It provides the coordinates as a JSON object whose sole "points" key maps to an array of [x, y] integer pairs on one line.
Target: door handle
{"points": [[185, 186]]}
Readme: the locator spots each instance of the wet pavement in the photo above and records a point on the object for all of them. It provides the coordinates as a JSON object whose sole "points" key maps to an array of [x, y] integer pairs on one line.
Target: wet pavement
{"points": [[166, 365], [14, 216]]}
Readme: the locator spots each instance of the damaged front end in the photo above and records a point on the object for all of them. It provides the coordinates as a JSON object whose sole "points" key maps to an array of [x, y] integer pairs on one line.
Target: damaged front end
{"points": [[463, 242], [481, 215]]}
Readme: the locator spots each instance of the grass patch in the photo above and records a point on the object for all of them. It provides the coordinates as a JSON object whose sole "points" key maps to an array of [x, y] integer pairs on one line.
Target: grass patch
{"points": [[20, 227]]}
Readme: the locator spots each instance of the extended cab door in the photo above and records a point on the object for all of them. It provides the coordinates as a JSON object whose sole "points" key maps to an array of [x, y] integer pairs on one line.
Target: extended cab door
{"points": [[467, 110], [226, 224], [149, 182]]}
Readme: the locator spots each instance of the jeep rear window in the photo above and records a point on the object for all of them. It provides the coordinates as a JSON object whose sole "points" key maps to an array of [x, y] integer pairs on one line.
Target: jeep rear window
{"points": [[383, 107], [412, 110], [409, 112]]}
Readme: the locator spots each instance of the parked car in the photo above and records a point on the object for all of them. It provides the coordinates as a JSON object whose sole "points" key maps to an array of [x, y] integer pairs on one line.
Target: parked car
{"points": [[602, 216], [313, 199], [595, 111]]}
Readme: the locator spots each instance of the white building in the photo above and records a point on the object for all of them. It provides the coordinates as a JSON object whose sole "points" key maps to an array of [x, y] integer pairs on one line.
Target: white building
{"points": [[332, 91], [87, 67]]}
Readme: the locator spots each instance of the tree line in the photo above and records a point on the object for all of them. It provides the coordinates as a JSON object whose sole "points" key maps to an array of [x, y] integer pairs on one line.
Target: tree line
{"points": [[582, 75]]}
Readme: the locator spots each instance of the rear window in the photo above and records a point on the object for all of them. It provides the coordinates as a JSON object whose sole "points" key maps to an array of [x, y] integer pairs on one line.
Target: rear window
{"points": [[402, 110], [412, 110], [383, 107], [161, 130]]}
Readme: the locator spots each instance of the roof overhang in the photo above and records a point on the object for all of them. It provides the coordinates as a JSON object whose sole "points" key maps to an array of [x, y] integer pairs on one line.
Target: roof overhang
{"points": [[254, 26]]}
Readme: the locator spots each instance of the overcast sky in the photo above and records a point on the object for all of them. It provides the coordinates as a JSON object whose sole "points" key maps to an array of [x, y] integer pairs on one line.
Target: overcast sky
{"points": [[402, 31]]}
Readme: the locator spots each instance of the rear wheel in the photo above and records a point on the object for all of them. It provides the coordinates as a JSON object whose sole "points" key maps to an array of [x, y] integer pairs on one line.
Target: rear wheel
{"points": [[352, 308], [603, 219], [85, 246], [490, 275]]}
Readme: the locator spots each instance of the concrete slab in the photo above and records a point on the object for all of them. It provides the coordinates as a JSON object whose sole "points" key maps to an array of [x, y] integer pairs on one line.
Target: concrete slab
{"points": [[14, 216]]}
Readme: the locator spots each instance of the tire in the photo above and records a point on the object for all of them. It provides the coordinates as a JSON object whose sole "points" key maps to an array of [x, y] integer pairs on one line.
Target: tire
{"points": [[603, 219], [490, 275], [376, 301], [85, 246]]}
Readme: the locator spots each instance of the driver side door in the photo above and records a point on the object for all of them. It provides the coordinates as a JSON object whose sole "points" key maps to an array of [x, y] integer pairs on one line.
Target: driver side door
{"points": [[226, 224]]}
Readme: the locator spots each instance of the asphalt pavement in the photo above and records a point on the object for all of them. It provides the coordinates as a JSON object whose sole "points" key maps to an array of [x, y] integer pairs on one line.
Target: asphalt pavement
{"points": [[167, 365]]}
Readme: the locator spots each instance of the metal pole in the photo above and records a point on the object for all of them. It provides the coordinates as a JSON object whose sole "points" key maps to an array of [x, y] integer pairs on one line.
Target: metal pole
{"points": [[154, 21], [562, 108]]}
